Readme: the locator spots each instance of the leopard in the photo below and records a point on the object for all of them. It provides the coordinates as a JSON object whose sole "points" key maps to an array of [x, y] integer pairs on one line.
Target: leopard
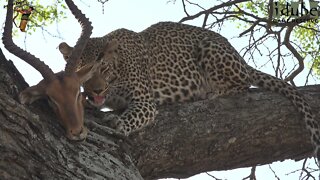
{"points": [[169, 63]]}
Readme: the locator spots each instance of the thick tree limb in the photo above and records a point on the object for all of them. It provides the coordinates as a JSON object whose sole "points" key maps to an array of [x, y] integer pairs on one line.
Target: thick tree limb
{"points": [[254, 128], [239, 131]]}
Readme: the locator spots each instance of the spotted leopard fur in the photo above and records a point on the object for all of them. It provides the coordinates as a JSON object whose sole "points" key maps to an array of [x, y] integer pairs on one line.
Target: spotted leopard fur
{"points": [[171, 62]]}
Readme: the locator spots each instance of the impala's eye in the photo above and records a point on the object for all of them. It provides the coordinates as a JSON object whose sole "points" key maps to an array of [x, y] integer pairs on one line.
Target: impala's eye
{"points": [[53, 104], [51, 100], [79, 95]]}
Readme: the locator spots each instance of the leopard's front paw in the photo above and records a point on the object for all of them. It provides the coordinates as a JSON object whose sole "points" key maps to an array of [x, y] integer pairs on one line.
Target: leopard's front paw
{"points": [[118, 124], [123, 128], [110, 120]]}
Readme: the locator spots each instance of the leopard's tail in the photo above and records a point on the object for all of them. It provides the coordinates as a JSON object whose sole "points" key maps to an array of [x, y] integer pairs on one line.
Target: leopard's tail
{"points": [[274, 84]]}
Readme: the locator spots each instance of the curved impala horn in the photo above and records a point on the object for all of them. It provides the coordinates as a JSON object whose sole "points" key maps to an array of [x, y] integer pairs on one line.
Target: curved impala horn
{"points": [[35, 62], [74, 58]]}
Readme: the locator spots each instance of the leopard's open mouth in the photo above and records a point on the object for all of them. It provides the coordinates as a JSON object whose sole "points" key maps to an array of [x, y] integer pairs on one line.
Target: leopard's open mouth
{"points": [[96, 101]]}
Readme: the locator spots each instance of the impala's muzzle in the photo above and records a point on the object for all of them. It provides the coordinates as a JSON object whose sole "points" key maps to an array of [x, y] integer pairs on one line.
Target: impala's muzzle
{"points": [[77, 136]]}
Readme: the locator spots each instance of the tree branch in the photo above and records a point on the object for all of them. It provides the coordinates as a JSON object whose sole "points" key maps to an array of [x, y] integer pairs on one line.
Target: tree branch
{"points": [[208, 11], [239, 131], [256, 21], [295, 53], [226, 133]]}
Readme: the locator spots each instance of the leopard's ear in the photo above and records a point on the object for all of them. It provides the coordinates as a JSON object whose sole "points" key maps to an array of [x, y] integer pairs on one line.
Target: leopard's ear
{"points": [[65, 50], [110, 50], [109, 53]]}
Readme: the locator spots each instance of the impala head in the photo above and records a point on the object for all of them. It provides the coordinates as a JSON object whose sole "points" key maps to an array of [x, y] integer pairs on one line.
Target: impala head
{"points": [[64, 96], [61, 89]]}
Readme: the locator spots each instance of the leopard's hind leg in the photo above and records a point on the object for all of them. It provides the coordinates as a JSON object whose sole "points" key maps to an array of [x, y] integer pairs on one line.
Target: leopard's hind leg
{"points": [[223, 68]]}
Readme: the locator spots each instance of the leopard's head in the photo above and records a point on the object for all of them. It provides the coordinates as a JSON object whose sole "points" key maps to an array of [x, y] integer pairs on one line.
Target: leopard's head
{"points": [[95, 90]]}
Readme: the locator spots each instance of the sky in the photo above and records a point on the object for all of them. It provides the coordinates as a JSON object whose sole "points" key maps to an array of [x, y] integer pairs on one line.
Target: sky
{"points": [[134, 15]]}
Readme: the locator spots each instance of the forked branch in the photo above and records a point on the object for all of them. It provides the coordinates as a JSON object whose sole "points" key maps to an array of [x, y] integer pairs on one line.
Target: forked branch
{"points": [[296, 54]]}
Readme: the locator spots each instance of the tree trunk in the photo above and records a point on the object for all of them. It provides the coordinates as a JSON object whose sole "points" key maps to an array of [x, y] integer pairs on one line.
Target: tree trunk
{"points": [[239, 131]]}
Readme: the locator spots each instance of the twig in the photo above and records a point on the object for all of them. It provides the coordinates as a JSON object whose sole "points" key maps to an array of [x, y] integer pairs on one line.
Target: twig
{"points": [[184, 8], [252, 175], [274, 173], [309, 73], [230, 3], [278, 37], [296, 54], [249, 29], [304, 169], [213, 176]]}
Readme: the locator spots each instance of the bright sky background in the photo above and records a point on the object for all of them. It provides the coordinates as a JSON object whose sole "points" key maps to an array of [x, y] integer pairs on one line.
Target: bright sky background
{"points": [[134, 15]]}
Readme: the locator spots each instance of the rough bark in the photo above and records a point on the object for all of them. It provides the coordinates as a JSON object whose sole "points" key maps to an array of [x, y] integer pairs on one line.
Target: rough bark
{"points": [[252, 128]]}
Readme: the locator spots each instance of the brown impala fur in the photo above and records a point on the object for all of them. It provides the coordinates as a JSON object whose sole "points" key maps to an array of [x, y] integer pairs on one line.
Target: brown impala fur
{"points": [[65, 98], [62, 89]]}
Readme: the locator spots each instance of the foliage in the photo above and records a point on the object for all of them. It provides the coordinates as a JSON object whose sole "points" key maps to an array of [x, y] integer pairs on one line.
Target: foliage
{"points": [[44, 13], [305, 35]]}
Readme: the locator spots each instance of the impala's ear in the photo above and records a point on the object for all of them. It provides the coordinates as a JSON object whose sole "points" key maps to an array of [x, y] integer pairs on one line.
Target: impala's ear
{"points": [[65, 50], [32, 93], [87, 71]]}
